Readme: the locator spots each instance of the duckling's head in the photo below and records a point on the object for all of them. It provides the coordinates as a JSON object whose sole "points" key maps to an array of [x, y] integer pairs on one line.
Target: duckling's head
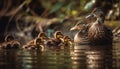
{"points": [[98, 13], [39, 44], [9, 38], [58, 34], [43, 36], [38, 41], [67, 39]]}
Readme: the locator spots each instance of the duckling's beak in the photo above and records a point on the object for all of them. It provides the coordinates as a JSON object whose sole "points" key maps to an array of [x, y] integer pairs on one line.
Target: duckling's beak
{"points": [[70, 42], [89, 16], [44, 40], [62, 39], [42, 47]]}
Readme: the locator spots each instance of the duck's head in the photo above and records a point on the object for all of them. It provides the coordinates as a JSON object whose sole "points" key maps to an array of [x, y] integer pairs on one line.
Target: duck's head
{"points": [[58, 35], [43, 36], [9, 38], [79, 26], [97, 13]]}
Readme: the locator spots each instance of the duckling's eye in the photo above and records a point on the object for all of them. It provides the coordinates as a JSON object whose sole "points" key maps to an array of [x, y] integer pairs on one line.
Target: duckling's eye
{"points": [[37, 42], [65, 39], [69, 39], [9, 39], [58, 35], [44, 37], [61, 36]]}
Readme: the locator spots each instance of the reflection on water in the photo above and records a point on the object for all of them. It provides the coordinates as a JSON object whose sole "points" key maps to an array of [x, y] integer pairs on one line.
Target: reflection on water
{"points": [[81, 57], [93, 57]]}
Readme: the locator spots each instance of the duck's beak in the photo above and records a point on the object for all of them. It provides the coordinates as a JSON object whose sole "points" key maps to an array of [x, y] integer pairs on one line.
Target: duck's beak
{"points": [[74, 28], [89, 16]]}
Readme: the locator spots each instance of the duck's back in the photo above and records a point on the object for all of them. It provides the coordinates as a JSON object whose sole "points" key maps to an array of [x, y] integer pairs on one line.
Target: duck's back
{"points": [[99, 34]]}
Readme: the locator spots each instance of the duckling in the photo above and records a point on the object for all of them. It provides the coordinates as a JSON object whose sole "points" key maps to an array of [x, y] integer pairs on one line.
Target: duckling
{"points": [[38, 44], [42, 35], [67, 42], [9, 37], [56, 40], [10, 43], [5, 45]]}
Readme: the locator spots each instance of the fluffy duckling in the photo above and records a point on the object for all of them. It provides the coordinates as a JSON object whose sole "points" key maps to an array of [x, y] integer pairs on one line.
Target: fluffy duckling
{"points": [[38, 44], [67, 42], [5, 45], [9, 38], [42, 35], [10, 43], [56, 40]]}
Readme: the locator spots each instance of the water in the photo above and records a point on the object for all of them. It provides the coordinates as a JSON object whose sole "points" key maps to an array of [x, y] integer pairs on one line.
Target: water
{"points": [[81, 57]]}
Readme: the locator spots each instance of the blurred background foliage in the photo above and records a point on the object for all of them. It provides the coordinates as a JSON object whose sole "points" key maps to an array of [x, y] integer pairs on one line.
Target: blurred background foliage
{"points": [[61, 8], [25, 17]]}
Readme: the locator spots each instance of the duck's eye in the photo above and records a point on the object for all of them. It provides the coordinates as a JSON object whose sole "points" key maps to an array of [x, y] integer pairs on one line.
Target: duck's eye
{"points": [[78, 24]]}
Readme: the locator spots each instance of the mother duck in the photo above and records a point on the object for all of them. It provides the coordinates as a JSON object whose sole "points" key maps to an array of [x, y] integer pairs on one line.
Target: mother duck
{"points": [[95, 33]]}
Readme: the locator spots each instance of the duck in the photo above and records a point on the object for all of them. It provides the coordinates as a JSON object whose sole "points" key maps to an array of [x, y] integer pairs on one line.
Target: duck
{"points": [[95, 33], [10, 42], [98, 33], [56, 41], [37, 45], [80, 37]]}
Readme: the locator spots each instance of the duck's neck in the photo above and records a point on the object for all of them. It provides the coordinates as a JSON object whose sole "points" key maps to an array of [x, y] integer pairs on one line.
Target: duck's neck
{"points": [[100, 20]]}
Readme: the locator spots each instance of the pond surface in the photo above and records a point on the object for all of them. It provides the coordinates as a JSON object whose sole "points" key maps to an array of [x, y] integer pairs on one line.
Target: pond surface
{"points": [[81, 57]]}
